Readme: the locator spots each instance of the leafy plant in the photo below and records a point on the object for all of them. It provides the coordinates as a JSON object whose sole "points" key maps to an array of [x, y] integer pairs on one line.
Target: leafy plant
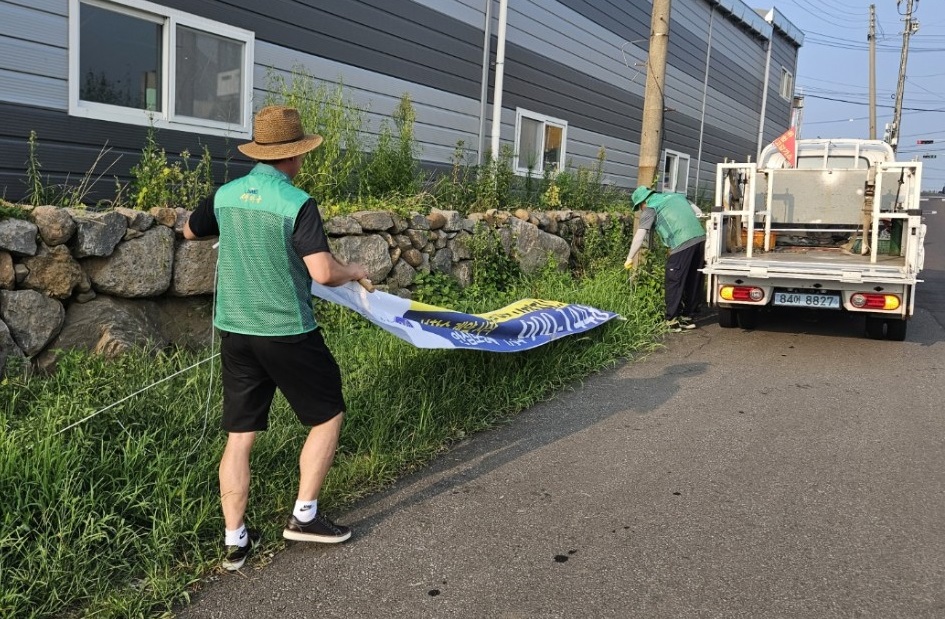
{"points": [[330, 172], [436, 289], [392, 168], [494, 183], [156, 182], [455, 191]]}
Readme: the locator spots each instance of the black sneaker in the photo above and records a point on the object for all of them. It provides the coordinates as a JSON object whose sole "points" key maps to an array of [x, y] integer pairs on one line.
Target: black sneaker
{"points": [[236, 555], [319, 529], [678, 326]]}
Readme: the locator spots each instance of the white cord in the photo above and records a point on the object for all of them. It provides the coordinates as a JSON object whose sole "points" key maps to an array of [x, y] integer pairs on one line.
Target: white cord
{"points": [[178, 373]]}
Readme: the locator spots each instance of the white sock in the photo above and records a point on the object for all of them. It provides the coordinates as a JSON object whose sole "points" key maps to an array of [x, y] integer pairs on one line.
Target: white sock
{"points": [[239, 537], [305, 510]]}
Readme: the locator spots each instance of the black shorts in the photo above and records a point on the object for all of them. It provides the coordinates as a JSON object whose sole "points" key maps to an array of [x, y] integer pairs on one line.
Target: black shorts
{"points": [[301, 366]]}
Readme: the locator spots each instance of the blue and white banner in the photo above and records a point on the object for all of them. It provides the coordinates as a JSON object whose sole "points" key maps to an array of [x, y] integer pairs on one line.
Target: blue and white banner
{"points": [[522, 325]]}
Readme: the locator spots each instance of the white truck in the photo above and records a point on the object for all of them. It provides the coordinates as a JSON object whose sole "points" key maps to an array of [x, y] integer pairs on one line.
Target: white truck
{"points": [[840, 231]]}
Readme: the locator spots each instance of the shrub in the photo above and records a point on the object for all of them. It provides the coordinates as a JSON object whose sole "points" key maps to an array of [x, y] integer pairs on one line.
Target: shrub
{"points": [[392, 168], [156, 182], [329, 173]]}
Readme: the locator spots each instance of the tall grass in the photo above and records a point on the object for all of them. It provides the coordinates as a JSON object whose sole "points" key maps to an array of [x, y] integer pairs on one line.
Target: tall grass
{"points": [[118, 516]]}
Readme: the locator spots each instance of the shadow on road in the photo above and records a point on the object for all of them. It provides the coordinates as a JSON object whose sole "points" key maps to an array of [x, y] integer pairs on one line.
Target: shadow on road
{"points": [[533, 430]]}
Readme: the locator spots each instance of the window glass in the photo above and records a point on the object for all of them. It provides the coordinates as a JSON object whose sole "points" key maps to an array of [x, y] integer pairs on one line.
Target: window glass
{"points": [[130, 77], [529, 143], [552, 155], [208, 77], [540, 144], [675, 172], [787, 84]]}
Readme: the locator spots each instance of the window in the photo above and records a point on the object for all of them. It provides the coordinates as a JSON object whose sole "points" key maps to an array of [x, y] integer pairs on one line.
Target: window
{"points": [[675, 172], [540, 143], [136, 62], [787, 84]]}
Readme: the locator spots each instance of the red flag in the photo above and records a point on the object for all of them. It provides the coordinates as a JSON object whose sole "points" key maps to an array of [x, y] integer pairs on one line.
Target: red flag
{"points": [[787, 147]]}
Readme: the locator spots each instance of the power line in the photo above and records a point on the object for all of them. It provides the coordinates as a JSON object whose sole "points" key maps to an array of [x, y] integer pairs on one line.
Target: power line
{"points": [[911, 109]]}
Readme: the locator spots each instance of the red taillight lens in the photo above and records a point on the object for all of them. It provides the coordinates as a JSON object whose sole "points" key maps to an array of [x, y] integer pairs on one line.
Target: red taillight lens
{"points": [[742, 293], [875, 301]]}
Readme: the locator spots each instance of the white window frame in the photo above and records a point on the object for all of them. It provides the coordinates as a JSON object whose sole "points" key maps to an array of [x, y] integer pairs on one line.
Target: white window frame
{"points": [[170, 19], [522, 170], [786, 89], [671, 184]]}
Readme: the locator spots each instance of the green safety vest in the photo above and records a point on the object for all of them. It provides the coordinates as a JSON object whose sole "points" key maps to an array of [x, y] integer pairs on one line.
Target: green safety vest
{"points": [[675, 221], [263, 285]]}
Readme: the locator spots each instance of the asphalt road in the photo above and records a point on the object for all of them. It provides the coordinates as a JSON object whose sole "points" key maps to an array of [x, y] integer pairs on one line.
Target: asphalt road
{"points": [[797, 470]]}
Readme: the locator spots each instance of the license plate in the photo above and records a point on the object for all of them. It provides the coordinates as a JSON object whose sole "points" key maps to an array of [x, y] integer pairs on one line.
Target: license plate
{"points": [[806, 299]]}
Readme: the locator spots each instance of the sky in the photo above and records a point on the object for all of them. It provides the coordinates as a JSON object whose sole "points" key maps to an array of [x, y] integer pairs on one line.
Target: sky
{"points": [[833, 74]]}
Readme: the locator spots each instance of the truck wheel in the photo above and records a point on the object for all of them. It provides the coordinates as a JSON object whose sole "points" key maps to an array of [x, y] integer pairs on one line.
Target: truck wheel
{"points": [[874, 328], [727, 318], [896, 329], [748, 318]]}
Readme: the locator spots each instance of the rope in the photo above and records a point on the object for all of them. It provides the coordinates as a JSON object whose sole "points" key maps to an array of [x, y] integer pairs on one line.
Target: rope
{"points": [[213, 308], [138, 392]]}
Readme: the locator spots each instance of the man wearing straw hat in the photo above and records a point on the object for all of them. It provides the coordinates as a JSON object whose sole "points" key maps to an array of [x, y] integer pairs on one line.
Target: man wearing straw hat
{"points": [[677, 221], [272, 245]]}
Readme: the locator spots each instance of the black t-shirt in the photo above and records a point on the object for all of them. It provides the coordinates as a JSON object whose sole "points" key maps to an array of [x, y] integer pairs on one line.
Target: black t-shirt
{"points": [[308, 236]]}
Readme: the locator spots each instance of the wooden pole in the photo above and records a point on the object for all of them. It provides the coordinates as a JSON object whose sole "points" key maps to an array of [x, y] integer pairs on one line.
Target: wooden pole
{"points": [[651, 133]]}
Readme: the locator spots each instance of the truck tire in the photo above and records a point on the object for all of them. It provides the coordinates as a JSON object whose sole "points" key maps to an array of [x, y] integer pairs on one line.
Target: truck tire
{"points": [[728, 319], [875, 328], [748, 318], [896, 329]]}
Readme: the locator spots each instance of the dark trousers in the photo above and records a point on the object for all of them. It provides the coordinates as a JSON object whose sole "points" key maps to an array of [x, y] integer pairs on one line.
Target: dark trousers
{"points": [[683, 282]]}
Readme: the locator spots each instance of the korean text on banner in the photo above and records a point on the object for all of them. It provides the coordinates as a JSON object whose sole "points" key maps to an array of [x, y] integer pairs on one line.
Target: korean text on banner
{"points": [[522, 325], [786, 145]]}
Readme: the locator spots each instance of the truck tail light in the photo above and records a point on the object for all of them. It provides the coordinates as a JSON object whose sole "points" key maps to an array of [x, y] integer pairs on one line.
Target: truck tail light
{"points": [[742, 293], [875, 301]]}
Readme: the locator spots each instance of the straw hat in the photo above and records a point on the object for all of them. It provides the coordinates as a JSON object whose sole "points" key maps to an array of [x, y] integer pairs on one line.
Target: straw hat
{"points": [[278, 134], [639, 195]]}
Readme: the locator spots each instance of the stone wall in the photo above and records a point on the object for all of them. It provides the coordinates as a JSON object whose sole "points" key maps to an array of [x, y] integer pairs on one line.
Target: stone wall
{"points": [[106, 281]]}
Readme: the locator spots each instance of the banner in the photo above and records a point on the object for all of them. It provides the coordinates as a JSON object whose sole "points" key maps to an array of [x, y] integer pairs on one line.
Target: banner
{"points": [[522, 325], [786, 145]]}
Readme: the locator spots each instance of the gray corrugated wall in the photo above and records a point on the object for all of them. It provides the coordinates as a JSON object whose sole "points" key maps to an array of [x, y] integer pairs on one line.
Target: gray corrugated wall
{"points": [[385, 47], [783, 54]]}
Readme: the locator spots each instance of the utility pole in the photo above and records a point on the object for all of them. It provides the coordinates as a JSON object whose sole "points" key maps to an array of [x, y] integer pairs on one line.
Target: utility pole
{"points": [[910, 27], [653, 100], [871, 37], [653, 103]]}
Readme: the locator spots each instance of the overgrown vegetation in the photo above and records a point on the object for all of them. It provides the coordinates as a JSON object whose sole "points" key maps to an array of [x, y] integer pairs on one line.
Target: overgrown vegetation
{"points": [[158, 182], [357, 167], [113, 512], [67, 194]]}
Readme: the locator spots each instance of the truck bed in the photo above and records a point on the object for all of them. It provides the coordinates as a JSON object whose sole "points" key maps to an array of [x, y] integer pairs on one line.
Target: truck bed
{"points": [[817, 262]]}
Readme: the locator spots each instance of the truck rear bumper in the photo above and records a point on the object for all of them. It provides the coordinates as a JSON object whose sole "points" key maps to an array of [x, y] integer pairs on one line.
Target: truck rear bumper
{"points": [[887, 297]]}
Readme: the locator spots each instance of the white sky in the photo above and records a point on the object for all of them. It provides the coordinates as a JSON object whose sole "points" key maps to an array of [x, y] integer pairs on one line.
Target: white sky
{"points": [[833, 73]]}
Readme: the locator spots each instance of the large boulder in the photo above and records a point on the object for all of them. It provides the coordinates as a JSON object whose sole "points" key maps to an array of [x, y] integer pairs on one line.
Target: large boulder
{"points": [[10, 354], [371, 251], [33, 318], [140, 267], [54, 272], [56, 225], [533, 247], [194, 267], [18, 236], [97, 234]]}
